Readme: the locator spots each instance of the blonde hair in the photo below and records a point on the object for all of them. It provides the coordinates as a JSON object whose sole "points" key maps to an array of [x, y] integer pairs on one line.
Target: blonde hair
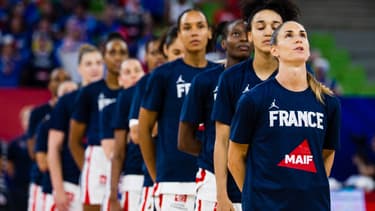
{"points": [[84, 49], [318, 88]]}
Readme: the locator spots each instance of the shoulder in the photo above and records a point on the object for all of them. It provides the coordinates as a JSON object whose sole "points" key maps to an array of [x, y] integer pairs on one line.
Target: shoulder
{"points": [[209, 74], [332, 102], [240, 67]]}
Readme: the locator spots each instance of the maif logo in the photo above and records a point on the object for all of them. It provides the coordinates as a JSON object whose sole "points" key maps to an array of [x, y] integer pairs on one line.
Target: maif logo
{"points": [[300, 158]]}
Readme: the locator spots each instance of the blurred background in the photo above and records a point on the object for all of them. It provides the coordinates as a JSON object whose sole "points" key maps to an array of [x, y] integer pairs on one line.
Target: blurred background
{"points": [[37, 36]]}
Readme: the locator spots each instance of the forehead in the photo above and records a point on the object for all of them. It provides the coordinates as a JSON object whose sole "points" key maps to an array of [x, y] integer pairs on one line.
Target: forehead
{"points": [[130, 64], [267, 16], [292, 26], [238, 25], [116, 44], [192, 17]]}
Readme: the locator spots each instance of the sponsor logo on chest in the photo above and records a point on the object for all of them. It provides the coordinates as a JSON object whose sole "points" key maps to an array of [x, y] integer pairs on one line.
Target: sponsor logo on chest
{"points": [[182, 87], [292, 118]]}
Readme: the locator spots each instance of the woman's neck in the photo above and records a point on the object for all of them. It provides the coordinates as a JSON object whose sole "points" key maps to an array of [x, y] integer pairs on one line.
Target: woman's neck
{"points": [[264, 64], [292, 77], [112, 80], [196, 59]]}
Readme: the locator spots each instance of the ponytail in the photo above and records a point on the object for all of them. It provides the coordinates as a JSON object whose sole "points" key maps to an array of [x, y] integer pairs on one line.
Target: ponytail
{"points": [[318, 88]]}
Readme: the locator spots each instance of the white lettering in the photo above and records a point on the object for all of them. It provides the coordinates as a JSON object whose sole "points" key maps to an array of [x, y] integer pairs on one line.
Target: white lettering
{"points": [[182, 89], [298, 159], [296, 119], [273, 117]]}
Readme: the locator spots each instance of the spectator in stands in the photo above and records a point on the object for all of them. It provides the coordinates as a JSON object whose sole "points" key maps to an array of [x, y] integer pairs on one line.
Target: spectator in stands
{"points": [[176, 7], [68, 51], [364, 160], [11, 64], [43, 59], [18, 166]]}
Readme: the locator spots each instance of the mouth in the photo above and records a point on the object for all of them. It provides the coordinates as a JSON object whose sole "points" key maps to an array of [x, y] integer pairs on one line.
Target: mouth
{"points": [[244, 47], [267, 42], [299, 49], [195, 42]]}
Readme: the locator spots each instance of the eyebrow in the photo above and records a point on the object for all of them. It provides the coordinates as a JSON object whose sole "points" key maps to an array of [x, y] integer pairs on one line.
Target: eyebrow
{"points": [[262, 21], [289, 31], [197, 22]]}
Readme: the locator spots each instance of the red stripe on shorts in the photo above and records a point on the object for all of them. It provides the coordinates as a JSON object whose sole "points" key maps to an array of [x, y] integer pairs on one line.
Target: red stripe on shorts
{"points": [[199, 205], [145, 199], [87, 197], [201, 176]]}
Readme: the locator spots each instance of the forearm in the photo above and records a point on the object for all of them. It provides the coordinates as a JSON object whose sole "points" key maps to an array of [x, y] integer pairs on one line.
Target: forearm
{"points": [[41, 161], [30, 148], [187, 141], [328, 158], [220, 165], [108, 147], [237, 168], [146, 142], [117, 160], [75, 138], [55, 170]]}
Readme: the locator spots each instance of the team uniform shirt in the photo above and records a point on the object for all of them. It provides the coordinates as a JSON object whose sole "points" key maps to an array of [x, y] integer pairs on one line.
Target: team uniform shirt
{"points": [[133, 161], [166, 89], [286, 132], [36, 116], [133, 115], [60, 120], [91, 100], [41, 145], [235, 81], [197, 109]]}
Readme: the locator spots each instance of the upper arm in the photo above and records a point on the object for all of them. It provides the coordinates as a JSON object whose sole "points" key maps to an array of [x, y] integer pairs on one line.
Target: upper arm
{"points": [[155, 91], [237, 150], [82, 106], [332, 137], [223, 109], [55, 139]]}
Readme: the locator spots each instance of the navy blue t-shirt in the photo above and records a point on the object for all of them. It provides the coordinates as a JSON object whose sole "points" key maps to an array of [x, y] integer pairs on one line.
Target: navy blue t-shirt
{"points": [[60, 120], [36, 116], [286, 132], [235, 81], [165, 92], [134, 113], [41, 145], [18, 155], [90, 101], [197, 109], [138, 96], [133, 160]]}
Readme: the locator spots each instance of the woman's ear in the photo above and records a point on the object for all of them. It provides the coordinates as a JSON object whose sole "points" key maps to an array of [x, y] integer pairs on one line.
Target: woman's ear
{"points": [[250, 37], [209, 33], [274, 51]]}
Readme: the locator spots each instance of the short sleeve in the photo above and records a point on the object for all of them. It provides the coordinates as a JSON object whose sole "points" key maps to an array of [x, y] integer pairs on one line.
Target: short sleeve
{"points": [[155, 91], [81, 112], [332, 137], [105, 117], [244, 121], [60, 116], [193, 105], [223, 106], [121, 114], [33, 124], [41, 137], [137, 98]]}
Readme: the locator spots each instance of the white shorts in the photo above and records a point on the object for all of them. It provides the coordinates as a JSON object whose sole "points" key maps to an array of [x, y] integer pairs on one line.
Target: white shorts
{"points": [[170, 196], [130, 188], [147, 199], [48, 202], [72, 191], [94, 176], [206, 192], [35, 201]]}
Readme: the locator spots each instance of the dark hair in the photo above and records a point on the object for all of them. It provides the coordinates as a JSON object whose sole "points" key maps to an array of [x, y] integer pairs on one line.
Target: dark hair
{"points": [[186, 11], [114, 36], [168, 38], [275, 33], [149, 41], [285, 8], [222, 30]]}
